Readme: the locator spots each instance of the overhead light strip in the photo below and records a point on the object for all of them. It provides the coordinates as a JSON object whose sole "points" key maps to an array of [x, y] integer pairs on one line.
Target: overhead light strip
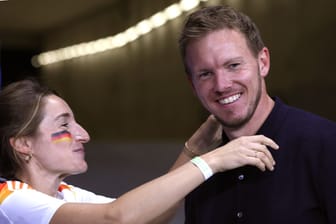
{"points": [[111, 42]]}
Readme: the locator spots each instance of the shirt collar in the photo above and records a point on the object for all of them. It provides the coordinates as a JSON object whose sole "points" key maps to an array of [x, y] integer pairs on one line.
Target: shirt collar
{"points": [[272, 123]]}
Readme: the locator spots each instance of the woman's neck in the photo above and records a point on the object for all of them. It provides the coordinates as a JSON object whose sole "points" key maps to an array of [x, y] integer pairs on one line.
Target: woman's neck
{"points": [[41, 182]]}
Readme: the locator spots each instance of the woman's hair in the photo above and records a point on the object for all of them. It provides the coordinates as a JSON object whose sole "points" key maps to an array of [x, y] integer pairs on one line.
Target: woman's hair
{"points": [[20, 115], [214, 18]]}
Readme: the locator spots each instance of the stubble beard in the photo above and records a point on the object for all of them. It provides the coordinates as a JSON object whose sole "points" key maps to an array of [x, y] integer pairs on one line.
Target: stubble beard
{"points": [[240, 122]]}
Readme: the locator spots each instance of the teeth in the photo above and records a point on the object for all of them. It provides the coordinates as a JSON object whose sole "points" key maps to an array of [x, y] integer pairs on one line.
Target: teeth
{"points": [[230, 99]]}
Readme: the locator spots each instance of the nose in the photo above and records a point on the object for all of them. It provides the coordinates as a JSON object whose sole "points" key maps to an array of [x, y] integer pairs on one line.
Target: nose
{"points": [[81, 134], [222, 82]]}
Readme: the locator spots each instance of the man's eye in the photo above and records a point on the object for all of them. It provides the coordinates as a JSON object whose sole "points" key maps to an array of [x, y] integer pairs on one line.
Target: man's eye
{"points": [[234, 65], [204, 75]]}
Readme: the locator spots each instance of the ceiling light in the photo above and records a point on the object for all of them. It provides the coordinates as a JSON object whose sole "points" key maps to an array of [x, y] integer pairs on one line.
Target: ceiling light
{"points": [[143, 27]]}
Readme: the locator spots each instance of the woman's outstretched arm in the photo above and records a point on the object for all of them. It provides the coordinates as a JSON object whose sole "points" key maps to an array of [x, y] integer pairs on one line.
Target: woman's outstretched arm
{"points": [[147, 202]]}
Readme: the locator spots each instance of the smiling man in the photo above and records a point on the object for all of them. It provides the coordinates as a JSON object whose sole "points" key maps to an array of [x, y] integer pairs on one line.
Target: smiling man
{"points": [[227, 62]]}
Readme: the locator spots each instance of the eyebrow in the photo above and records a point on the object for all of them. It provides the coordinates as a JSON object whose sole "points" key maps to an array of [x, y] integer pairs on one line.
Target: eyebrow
{"points": [[230, 60], [63, 115], [225, 63]]}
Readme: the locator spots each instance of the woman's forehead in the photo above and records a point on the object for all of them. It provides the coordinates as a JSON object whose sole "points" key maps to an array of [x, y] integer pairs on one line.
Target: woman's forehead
{"points": [[55, 107]]}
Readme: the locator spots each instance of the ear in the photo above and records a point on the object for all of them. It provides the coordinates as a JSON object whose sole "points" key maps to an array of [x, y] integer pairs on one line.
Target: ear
{"points": [[21, 145], [264, 62]]}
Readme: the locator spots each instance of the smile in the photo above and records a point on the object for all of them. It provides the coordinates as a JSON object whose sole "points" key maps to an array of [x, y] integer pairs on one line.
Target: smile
{"points": [[230, 99]]}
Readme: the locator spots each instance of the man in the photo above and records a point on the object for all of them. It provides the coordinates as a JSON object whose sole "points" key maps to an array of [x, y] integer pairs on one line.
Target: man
{"points": [[227, 62]]}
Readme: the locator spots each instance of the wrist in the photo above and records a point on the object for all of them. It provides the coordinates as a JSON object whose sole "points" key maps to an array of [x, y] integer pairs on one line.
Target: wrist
{"points": [[193, 151], [203, 166], [190, 151]]}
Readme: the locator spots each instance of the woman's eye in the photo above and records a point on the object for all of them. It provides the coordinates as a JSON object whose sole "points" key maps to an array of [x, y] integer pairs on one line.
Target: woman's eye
{"points": [[65, 125]]}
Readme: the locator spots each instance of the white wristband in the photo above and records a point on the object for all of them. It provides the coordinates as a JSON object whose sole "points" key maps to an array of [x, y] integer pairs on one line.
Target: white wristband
{"points": [[203, 166]]}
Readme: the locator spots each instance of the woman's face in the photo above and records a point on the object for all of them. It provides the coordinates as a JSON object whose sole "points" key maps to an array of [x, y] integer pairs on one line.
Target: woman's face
{"points": [[58, 145]]}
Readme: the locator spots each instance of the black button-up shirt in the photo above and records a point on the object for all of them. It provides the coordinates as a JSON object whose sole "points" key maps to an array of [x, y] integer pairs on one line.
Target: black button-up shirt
{"points": [[301, 189]]}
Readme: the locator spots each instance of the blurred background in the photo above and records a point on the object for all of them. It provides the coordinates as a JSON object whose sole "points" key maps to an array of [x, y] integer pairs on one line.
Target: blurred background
{"points": [[134, 98]]}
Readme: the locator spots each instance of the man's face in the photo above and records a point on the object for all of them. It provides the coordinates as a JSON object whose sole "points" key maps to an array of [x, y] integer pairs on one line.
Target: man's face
{"points": [[226, 76]]}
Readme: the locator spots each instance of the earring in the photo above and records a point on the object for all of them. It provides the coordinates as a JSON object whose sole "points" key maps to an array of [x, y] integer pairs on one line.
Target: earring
{"points": [[28, 157]]}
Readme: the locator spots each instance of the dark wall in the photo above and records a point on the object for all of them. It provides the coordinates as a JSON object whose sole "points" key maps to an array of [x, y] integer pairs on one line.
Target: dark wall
{"points": [[15, 65], [140, 92], [300, 37]]}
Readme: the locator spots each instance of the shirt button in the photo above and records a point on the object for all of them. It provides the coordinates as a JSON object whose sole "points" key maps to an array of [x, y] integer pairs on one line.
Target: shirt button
{"points": [[239, 215], [241, 177]]}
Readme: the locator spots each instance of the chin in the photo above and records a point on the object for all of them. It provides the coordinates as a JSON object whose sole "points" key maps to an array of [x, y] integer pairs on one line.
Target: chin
{"points": [[81, 169], [84, 169], [233, 122]]}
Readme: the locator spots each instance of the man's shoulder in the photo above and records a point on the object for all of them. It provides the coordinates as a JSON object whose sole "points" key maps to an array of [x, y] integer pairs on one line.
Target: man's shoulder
{"points": [[304, 116], [299, 122], [300, 115]]}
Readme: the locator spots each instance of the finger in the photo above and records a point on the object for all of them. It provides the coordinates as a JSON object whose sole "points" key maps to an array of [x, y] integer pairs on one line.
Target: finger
{"points": [[264, 150], [254, 161], [268, 142], [259, 147], [262, 157], [267, 161], [251, 157]]}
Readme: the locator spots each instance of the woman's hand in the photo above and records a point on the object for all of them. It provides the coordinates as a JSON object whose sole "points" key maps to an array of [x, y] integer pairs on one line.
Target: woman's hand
{"points": [[246, 150]]}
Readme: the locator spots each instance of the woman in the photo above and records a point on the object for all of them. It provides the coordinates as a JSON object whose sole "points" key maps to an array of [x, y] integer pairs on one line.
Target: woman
{"points": [[42, 144]]}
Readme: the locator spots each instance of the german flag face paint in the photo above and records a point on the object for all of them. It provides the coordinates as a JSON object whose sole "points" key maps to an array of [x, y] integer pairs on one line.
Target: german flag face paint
{"points": [[62, 136]]}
